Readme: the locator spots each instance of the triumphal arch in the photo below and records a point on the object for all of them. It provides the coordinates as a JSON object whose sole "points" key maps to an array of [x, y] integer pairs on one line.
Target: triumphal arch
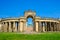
{"points": [[19, 24]]}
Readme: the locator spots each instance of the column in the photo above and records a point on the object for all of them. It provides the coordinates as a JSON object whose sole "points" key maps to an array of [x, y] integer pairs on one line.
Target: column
{"points": [[2, 28], [34, 26], [36, 23], [18, 26], [10, 30], [50, 27], [43, 27], [5, 27], [21, 26], [46, 26], [58, 26], [25, 27], [40, 29], [54, 26], [14, 27]]}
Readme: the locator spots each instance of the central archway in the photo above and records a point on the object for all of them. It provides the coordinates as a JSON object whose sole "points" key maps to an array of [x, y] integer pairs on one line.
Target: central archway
{"points": [[30, 23], [30, 19]]}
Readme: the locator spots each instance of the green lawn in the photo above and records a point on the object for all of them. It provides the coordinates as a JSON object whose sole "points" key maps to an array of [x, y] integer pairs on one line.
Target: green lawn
{"points": [[41, 36]]}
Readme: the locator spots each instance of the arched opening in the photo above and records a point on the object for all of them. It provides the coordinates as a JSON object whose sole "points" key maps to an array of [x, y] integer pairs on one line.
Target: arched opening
{"points": [[30, 24]]}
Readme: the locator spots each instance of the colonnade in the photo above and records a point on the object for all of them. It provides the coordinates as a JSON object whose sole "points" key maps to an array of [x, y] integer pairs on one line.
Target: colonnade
{"points": [[39, 26], [47, 26], [14, 26], [9, 26]]}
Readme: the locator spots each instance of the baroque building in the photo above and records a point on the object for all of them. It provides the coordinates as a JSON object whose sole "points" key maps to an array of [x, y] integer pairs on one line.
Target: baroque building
{"points": [[19, 24]]}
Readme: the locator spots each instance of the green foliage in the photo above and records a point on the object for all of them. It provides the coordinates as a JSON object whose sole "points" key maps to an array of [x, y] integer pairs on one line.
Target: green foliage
{"points": [[40, 36]]}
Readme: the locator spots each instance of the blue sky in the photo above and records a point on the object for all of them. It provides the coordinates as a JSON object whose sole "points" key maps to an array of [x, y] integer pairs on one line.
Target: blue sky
{"points": [[43, 8], [16, 8]]}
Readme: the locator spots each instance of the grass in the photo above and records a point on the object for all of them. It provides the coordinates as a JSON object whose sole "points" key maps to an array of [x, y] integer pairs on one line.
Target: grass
{"points": [[41, 36]]}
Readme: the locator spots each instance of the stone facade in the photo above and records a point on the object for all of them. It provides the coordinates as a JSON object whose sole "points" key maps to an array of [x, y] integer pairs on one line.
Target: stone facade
{"points": [[19, 24]]}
